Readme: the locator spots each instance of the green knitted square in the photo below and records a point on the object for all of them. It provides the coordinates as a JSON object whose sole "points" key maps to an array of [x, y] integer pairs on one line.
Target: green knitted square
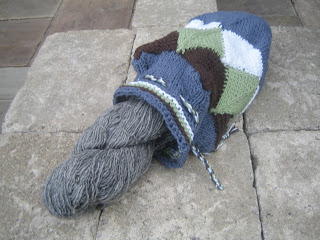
{"points": [[239, 89], [196, 38]]}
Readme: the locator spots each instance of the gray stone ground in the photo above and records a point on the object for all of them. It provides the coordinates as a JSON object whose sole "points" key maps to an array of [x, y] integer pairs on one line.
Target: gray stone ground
{"points": [[270, 168], [11, 80]]}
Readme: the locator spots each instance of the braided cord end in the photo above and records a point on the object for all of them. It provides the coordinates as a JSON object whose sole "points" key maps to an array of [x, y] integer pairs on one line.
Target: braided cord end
{"points": [[205, 162]]}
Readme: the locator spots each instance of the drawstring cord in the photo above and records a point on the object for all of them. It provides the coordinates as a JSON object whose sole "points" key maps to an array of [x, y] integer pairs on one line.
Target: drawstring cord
{"points": [[205, 162], [194, 149]]}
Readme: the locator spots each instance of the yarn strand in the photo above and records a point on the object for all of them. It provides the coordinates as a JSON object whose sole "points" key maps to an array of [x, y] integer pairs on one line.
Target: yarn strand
{"points": [[107, 159]]}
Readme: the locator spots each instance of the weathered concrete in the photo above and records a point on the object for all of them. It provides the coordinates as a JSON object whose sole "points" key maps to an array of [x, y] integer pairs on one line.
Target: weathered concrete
{"points": [[288, 182], [11, 80], [4, 106], [18, 9], [184, 204], [309, 12], [289, 98], [169, 13], [26, 161], [88, 14], [276, 12], [19, 40], [71, 81]]}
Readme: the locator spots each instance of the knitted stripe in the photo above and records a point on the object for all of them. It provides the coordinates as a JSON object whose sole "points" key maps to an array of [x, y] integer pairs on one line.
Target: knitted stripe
{"points": [[193, 39], [236, 51], [240, 54], [239, 90], [252, 28], [253, 97], [212, 71], [198, 24], [167, 43], [171, 101]]}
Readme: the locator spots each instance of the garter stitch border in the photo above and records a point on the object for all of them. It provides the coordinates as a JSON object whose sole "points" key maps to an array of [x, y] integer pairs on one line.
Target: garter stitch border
{"points": [[200, 77]]}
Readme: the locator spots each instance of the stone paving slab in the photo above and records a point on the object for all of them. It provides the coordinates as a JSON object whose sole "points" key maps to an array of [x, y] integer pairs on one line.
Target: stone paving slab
{"points": [[309, 12], [289, 98], [184, 204], [288, 182], [282, 20], [169, 13], [4, 106], [11, 80], [71, 82], [87, 14], [26, 161], [276, 12], [19, 9], [260, 7], [19, 40]]}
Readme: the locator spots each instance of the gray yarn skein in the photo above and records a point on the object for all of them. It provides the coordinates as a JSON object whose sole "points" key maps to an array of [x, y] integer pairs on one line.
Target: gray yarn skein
{"points": [[107, 159]]}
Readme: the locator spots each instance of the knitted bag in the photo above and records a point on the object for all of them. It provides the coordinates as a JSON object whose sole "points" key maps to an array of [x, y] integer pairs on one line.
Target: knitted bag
{"points": [[201, 77]]}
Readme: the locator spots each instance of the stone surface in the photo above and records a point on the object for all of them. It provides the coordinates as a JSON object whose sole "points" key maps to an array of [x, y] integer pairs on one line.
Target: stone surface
{"points": [[290, 97], [19, 40], [18, 9], [184, 204], [11, 80], [4, 106], [87, 14], [169, 13], [26, 161], [276, 12], [288, 182], [283, 20], [309, 12], [259, 7], [71, 82]]}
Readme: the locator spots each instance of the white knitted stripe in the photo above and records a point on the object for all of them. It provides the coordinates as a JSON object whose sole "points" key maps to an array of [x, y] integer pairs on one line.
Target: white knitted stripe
{"points": [[199, 24], [166, 97], [255, 94], [240, 54]]}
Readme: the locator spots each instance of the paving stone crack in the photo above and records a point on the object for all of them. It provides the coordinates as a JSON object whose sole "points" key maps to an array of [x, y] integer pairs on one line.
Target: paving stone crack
{"points": [[132, 13], [133, 41], [283, 130], [44, 37], [295, 11], [97, 228], [254, 184]]}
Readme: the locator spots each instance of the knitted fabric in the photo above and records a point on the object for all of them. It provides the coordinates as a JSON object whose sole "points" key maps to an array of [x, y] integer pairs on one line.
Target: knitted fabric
{"points": [[200, 77]]}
